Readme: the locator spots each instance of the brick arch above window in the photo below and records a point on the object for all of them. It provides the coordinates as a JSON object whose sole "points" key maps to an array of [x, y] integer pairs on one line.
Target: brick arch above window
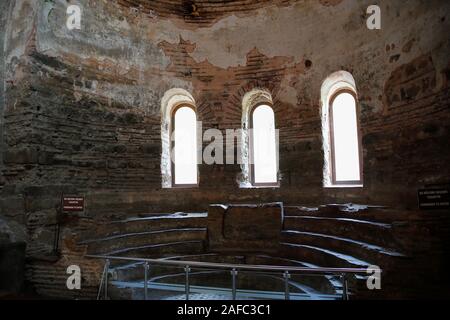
{"points": [[171, 99], [336, 83], [253, 98]]}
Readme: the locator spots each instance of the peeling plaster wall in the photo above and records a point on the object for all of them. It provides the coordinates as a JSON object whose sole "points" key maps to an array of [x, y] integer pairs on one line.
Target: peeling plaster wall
{"points": [[14, 34], [92, 98], [16, 21]]}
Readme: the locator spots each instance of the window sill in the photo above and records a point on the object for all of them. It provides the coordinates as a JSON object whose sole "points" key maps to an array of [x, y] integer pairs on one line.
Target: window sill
{"points": [[249, 186], [340, 186], [184, 186]]}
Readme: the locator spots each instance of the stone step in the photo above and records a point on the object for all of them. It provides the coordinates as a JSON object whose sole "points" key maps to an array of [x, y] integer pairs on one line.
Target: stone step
{"points": [[149, 223], [244, 280], [320, 256], [320, 284], [359, 230], [210, 257], [368, 252], [209, 279], [356, 283], [134, 271], [162, 291], [156, 251], [355, 211], [130, 240]]}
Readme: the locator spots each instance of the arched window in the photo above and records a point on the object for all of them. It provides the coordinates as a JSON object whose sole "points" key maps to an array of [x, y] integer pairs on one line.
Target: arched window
{"points": [[259, 141], [340, 126], [184, 150], [178, 139], [263, 156]]}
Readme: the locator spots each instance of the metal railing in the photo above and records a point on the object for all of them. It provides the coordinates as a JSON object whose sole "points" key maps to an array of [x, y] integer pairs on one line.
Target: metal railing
{"points": [[285, 271]]}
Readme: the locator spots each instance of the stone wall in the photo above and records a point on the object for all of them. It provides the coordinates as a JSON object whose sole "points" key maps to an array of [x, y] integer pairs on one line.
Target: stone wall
{"points": [[81, 110], [244, 228], [90, 104]]}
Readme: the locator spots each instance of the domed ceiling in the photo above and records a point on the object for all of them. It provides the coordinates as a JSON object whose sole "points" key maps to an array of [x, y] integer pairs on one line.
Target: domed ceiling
{"points": [[202, 12]]}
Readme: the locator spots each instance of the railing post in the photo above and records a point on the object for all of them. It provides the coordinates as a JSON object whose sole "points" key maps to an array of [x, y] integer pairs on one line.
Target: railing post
{"points": [[106, 278], [187, 270], [145, 280], [233, 282], [344, 287], [286, 277], [102, 278]]}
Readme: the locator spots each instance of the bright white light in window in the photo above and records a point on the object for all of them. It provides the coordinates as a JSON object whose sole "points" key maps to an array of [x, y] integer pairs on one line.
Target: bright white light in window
{"points": [[264, 145], [345, 134], [185, 153]]}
